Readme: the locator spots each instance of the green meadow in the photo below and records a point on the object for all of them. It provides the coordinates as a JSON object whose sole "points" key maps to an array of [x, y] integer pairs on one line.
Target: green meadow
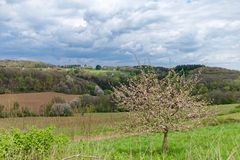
{"points": [[97, 136]]}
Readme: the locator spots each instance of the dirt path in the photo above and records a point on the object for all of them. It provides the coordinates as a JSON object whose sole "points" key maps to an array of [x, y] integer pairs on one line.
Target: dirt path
{"points": [[101, 137]]}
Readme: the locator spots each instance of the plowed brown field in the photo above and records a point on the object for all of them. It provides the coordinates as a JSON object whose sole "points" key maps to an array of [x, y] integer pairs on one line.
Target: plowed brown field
{"points": [[33, 101]]}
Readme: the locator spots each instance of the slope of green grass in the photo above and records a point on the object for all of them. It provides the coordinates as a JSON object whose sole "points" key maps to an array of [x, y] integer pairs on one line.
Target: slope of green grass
{"points": [[226, 109], [219, 142], [105, 72]]}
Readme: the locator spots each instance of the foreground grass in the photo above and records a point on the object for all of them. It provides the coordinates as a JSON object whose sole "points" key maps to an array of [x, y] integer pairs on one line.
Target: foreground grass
{"points": [[93, 124], [212, 142], [219, 142]]}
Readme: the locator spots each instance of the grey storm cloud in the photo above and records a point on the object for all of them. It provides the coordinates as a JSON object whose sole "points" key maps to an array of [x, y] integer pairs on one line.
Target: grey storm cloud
{"points": [[111, 32]]}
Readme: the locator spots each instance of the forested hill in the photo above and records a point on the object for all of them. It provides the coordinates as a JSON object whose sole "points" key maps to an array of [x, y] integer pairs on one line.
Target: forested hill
{"points": [[24, 63], [71, 81], [217, 84], [220, 85]]}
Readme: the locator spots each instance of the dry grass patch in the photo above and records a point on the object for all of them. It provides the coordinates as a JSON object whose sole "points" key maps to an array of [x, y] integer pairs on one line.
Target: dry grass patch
{"points": [[77, 127]]}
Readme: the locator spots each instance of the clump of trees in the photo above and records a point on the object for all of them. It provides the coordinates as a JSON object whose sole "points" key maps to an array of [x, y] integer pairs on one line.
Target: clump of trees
{"points": [[160, 105]]}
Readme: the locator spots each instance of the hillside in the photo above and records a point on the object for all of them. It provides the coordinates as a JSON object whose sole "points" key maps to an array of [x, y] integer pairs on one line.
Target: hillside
{"points": [[23, 80], [24, 63], [218, 85]]}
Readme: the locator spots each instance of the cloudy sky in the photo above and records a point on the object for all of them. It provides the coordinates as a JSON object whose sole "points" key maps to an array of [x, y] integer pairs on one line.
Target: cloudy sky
{"points": [[113, 32]]}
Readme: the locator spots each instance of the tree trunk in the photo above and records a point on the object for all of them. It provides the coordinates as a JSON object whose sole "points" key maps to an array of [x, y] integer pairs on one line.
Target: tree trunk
{"points": [[165, 142]]}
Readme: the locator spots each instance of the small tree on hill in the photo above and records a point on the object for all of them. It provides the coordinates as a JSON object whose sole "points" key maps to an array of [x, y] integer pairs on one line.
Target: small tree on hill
{"points": [[160, 105]]}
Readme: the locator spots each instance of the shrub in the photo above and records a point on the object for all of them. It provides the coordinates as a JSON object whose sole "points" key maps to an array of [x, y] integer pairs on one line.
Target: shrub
{"points": [[98, 91], [61, 109], [57, 107], [33, 144], [77, 106]]}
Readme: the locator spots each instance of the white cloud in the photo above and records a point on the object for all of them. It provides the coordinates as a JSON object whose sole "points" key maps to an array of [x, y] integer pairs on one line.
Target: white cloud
{"points": [[197, 31]]}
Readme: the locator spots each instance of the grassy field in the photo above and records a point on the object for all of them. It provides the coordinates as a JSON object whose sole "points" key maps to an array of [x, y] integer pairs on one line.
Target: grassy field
{"points": [[219, 142], [105, 72], [96, 135], [33, 101], [93, 124], [230, 112], [225, 109], [76, 127]]}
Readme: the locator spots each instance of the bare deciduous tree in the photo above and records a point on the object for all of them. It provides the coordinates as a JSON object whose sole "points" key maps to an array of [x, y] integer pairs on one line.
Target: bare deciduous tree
{"points": [[160, 105]]}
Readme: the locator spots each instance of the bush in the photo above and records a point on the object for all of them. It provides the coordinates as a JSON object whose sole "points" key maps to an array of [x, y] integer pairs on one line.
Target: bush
{"points": [[57, 107], [33, 144], [77, 106], [98, 91], [61, 109]]}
